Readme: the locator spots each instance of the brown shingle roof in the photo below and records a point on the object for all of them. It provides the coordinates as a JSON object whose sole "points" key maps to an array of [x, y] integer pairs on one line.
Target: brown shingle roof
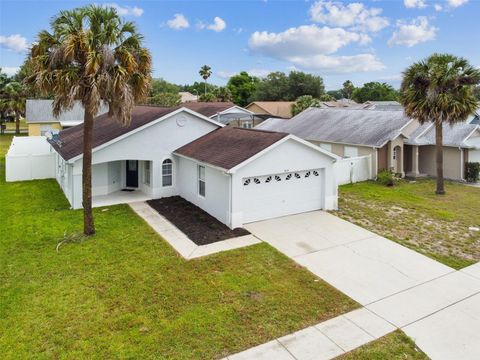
{"points": [[106, 128], [208, 108], [282, 109], [227, 147]]}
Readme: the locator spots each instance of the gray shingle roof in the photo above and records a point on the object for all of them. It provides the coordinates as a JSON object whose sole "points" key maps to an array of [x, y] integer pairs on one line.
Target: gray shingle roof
{"points": [[347, 126], [39, 110], [453, 135]]}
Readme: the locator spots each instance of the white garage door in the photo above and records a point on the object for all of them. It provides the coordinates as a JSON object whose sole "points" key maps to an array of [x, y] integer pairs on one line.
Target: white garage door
{"points": [[266, 197]]}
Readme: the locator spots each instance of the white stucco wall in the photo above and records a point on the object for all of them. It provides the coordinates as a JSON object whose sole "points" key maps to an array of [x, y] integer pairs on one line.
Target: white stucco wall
{"points": [[154, 143], [287, 157], [217, 197]]}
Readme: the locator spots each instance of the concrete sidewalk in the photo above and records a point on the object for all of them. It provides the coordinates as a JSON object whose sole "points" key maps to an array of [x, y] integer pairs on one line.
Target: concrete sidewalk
{"points": [[434, 304]]}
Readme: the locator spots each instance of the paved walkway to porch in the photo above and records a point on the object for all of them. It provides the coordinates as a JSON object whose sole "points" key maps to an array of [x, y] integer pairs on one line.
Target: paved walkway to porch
{"points": [[434, 304]]}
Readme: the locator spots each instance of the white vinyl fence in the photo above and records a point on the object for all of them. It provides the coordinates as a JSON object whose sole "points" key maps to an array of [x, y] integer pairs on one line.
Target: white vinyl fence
{"points": [[29, 158], [354, 169]]}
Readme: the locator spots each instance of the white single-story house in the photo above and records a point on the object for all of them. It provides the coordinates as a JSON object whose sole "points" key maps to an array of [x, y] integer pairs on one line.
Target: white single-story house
{"points": [[236, 175]]}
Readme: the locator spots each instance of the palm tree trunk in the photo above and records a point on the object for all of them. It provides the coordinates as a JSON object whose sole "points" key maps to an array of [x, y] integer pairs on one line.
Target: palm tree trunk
{"points": [[88, 225], [17, 123], [205, 86], [439, 157]]}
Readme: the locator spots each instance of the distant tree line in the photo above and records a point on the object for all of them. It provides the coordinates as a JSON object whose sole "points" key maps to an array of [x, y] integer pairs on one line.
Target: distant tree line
{"points": [[244, 88]]}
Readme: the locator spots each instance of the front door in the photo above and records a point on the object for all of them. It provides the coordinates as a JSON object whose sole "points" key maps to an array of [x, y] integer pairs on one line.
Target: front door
{"points": [[132, 173]]}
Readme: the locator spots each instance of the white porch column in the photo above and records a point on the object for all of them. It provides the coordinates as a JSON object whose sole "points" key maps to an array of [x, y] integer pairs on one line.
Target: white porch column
{"points": [[415, 172]]}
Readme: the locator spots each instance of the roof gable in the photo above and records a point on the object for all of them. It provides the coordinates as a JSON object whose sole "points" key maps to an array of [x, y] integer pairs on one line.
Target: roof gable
{"points": [[107, 129], [282, 109], [208, 109], [231, 148], [455, 135]]}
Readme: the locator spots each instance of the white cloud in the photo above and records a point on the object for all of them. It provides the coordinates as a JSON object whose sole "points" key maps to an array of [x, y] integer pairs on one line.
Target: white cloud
{"points": [[178, 22], [449, 4], [126, 10], [310, 47], [412, 33], [396, 77], [456, 3], [10, 71], [412, 4], [354, 15], [304, 41], [14, 42], [339, 64], [218, 25]]}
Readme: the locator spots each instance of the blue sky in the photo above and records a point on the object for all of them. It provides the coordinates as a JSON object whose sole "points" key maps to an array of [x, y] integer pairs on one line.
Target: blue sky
{"points": [[361, 41]]}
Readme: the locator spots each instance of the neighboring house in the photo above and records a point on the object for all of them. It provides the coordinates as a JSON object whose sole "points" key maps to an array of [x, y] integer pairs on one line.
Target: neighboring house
{"points": [[187, 97], [236, 175], [383, 105], [279, 109], [341, 103], [461, 144], [227, 113], [40, 119], [352, 132]]}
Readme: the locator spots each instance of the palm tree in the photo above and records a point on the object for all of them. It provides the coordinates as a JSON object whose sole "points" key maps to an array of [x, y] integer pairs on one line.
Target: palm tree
{"points": [[13, 99], [91, 56], [205, 72], [439, 89]]}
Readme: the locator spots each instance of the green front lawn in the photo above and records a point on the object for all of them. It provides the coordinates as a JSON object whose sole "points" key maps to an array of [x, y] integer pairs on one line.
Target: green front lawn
{"points": [[126, 294], [394, 346], [411, 214]]}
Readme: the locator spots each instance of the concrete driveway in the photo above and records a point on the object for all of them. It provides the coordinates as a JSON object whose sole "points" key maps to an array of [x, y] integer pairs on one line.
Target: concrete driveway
{"points": [[434, 304]]}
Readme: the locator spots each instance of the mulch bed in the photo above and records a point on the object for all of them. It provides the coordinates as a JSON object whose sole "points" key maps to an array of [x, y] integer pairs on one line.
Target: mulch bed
{"points": [[201, 227]]}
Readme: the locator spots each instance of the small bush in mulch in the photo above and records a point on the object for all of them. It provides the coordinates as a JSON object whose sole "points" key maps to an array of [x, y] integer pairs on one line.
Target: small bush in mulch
{"points": [[201, 227]]}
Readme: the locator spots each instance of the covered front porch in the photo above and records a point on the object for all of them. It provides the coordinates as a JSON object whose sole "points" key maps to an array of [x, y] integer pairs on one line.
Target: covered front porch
{"points": [[121, 182]]}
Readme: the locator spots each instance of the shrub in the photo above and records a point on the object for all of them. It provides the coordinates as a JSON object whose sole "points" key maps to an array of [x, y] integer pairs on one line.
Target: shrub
{"points": [[208, 97], [472, 171], [386, 177]]}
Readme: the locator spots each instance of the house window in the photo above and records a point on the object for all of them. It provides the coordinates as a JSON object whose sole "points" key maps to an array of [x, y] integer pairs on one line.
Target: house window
{"points": [[247, 125], [394, 153], [327, 147], [350, 151], [146, 173], [167, 172], [201, 180]]}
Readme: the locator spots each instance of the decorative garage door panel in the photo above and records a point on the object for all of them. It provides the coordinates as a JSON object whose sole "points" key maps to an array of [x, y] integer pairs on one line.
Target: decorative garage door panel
{"points": [[266, 197]]}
